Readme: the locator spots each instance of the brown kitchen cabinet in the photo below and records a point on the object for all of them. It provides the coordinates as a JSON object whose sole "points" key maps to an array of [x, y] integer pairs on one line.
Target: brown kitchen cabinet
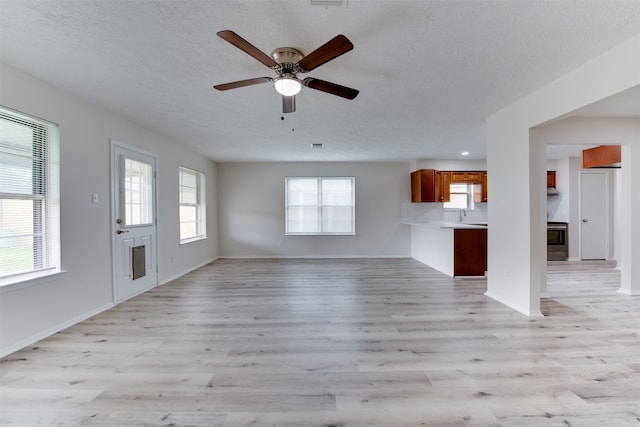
{"points": [[444, 187], [430, 185], [551, 179], [469, 252], [484, 194], [466, 177]]}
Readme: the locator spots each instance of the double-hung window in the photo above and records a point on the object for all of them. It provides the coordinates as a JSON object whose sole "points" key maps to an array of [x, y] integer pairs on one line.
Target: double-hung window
{"points": [[320, 205], [461, 197], [193, 218], [29, 197]]}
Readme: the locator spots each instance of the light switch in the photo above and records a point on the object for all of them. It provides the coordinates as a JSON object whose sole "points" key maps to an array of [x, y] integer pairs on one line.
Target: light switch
{"points": [[94, 198]]}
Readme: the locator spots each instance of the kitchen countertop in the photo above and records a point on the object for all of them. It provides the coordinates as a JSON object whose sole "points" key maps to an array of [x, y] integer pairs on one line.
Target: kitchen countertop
{"points": [[452, 225]]}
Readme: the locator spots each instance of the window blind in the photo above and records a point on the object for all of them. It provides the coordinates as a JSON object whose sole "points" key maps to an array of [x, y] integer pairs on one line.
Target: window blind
{"points": [[29, 202], [192, 204], [320, 205]]}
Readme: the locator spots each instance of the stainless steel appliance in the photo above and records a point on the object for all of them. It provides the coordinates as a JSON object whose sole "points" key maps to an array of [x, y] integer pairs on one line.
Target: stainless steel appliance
{"points": [[557, 241]]}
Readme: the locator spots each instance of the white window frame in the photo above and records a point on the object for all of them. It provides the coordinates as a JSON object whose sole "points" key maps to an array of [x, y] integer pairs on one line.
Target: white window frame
{"points": [[470, 205], [200, 205], [45, 236], [320, 206]]}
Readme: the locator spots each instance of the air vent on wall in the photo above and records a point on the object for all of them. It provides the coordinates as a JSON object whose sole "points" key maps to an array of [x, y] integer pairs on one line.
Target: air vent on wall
{"points": [[317, 145], [327, 3]]}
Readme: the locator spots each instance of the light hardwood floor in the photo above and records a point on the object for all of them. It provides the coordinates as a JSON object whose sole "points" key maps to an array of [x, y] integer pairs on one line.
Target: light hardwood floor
{"points": [[366, 342]]}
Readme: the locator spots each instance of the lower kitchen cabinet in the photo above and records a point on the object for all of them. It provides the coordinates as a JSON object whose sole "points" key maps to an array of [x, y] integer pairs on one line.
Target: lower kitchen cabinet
{"points": [[469, 252]]}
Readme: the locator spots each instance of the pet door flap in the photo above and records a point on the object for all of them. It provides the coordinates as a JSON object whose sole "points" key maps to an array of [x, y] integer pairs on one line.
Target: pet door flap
{"points": [[138, 262]]}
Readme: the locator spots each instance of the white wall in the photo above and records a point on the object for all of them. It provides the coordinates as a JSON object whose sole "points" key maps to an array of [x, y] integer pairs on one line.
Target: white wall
{"points": [[251, 211], [617, 215], [517, 208], [452, 164], [30, 313], [433, 246], [575, 165]]}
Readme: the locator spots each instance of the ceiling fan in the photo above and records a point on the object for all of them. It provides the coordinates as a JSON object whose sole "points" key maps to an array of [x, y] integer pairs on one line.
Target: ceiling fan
{"points": [[287, 62]]}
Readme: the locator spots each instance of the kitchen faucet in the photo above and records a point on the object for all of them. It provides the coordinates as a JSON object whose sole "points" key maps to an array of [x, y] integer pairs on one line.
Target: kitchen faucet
{"points": [[462, 213]]}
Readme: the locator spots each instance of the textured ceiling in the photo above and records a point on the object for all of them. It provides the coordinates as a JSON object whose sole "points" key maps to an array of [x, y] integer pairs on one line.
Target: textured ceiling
{"points": [[429, 72]]}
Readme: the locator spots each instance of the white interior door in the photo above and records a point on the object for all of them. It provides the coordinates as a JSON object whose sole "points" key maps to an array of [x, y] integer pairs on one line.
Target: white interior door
{"points": [[593, 214], [134, 222]]}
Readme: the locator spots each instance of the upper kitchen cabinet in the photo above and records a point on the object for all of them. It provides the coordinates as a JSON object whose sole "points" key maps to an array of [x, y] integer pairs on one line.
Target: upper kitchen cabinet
{"points": [[484, 195], [465, 177], [430, 185], [551, 179]]}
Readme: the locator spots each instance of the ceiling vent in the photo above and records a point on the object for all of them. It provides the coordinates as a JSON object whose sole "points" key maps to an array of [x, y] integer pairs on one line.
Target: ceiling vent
{"points": [[317, 145], [328, 3]]}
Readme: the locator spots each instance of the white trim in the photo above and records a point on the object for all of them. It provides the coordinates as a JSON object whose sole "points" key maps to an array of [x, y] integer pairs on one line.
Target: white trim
{"points": [[526, 312], [314, 257], [193, 239], [319, 234], [31, 279], [55, 329], [183, 272], [628, 292]]}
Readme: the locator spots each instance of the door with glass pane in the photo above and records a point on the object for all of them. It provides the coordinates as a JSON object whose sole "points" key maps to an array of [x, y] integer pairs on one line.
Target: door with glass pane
{"points": [[134, 222]]}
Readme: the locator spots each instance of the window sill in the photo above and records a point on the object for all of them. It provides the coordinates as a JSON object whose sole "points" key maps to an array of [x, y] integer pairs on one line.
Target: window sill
{"points": [[320, 234], [13, 283], [192, 239]]}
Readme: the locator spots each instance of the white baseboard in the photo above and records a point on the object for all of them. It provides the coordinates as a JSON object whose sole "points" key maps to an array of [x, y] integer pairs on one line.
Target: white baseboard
{"points": [[275, 256], [55, 329], [173, 277], [526, 312], [629, 292]]}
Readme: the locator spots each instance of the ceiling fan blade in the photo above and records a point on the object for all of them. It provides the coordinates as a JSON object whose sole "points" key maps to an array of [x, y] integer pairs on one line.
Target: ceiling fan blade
{"points": [[247, 47], [325, 53], [332, 88], [243, 83], [288, 104]]}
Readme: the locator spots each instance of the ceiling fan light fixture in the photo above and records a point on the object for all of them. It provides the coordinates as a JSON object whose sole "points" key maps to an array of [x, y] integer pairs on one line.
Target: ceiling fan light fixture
{"points": [[287, 85]]}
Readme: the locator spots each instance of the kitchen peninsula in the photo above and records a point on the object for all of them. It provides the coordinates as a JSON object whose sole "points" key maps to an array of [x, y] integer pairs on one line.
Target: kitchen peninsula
{"points": [[455, 249]]}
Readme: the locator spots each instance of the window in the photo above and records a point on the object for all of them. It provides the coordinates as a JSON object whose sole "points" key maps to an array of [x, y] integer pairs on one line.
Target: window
{"points": [[316, 205], [29, 197], [138, 193], [193, 219], [461, 197]]}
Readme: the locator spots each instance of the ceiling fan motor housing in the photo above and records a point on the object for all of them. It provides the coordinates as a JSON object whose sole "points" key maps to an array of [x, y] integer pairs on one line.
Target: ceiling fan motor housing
{"points": [[287, 56], [287, 83]]}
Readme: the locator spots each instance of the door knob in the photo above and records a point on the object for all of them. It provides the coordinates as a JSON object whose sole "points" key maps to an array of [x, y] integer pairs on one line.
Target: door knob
{"points": [[121, 231], [585, 220]]}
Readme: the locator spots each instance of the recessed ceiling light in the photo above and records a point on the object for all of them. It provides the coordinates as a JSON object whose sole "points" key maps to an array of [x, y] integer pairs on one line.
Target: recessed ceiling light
{"points": [[464, 153]]}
